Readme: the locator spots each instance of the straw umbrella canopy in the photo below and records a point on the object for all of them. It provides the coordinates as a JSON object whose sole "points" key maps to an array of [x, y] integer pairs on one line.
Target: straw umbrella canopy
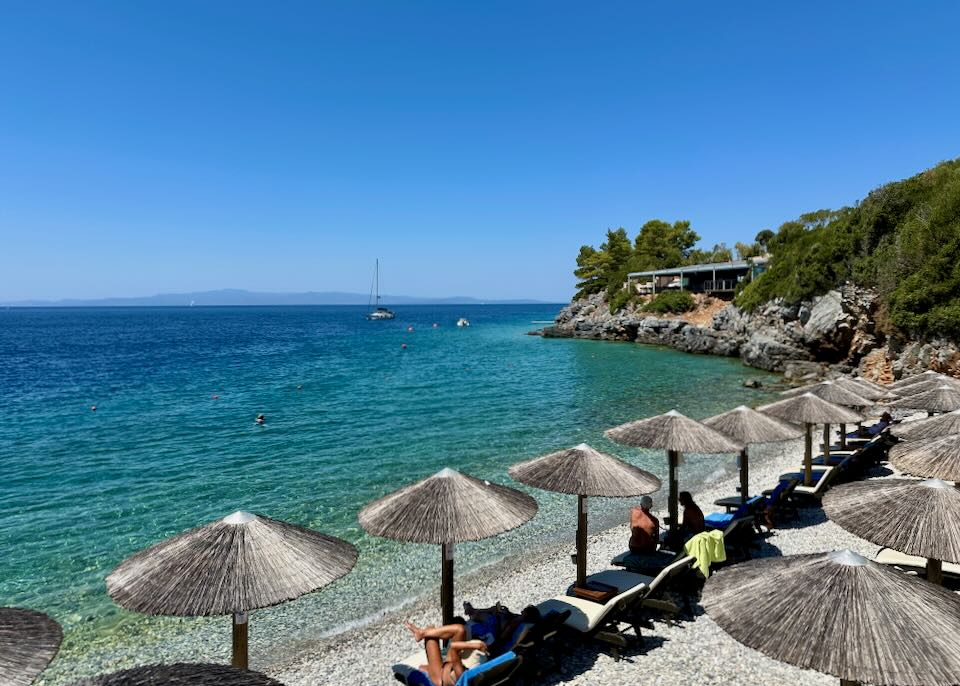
{"points": [[864, 390], [934, 458], [931, 427], [748, 426], [927, 385], [943, 398], [915, 517], [840, 614], [833, 392], [915, 378], [809, 409], [28, 641], [445, 509], [231, 566], [867, 383], [181, 674], [584, 472], [676, 434]]}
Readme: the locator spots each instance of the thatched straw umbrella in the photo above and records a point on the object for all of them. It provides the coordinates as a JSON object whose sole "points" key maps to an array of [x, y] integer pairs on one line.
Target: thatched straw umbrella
{"points": [[931, 427], [915, 517], [833, 392], [28, 641], [943, 398], [181, 674], [934, 458], [585, 472], [748, 427], [927, 385], [445, 509], [809, 409], [840, 614], [867, 383], [916, 378], [676, 434], [236, 564]]}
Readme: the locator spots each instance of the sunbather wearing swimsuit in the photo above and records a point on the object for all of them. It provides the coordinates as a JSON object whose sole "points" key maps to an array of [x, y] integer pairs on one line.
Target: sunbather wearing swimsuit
{"points": [[444, 672]]}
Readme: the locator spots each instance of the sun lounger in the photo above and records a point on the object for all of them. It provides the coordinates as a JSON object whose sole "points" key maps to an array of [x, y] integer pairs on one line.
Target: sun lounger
{"points": [[721, 520], [493, 672], [652, 564], [822, 480], [912, 563], [602, 621]]}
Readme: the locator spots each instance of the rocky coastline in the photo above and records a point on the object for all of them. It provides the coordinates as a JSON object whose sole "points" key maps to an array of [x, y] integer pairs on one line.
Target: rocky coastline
{"points": [[834, 333]]}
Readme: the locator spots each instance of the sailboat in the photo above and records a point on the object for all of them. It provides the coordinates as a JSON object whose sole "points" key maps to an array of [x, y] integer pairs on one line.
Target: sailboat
{"points": [[379, 312]]}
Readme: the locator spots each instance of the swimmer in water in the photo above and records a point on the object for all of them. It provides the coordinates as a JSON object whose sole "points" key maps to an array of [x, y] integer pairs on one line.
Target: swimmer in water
{"points": [[261, 419]]}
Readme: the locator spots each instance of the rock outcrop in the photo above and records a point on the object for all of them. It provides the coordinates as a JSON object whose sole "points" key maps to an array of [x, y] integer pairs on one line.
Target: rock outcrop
{"points": [[833, 331]]}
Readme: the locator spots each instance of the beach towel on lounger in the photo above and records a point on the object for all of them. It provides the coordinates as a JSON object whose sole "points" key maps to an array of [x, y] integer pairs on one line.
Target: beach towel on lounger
{"points": [[706, 548]]}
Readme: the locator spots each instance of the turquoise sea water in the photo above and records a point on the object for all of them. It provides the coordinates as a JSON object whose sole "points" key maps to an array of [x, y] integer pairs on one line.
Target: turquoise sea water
{"points": [[351, 415]]}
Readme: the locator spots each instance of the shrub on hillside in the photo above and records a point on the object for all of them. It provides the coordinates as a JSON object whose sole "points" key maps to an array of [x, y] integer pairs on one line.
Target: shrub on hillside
{"points": [[620, 299], [671, 301]]}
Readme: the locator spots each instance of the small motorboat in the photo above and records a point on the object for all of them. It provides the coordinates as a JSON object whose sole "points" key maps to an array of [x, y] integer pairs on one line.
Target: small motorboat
{"points": [[463, 321]]}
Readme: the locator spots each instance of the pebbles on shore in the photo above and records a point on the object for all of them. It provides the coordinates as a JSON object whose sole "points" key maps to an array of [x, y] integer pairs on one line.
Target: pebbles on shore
{"points": [[689, 651]]}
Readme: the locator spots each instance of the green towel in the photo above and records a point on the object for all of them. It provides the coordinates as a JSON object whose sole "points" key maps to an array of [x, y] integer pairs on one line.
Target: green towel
{"points": [[706, 548]]}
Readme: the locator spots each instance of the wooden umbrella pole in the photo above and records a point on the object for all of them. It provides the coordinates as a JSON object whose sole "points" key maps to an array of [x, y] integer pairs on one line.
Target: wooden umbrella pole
{"points": [[808, 455], [581, 540], [673, 459], [240, 651], [847, 682], [935, 571], [826, 445], [843, 437], [744, 476], [446, 583]]}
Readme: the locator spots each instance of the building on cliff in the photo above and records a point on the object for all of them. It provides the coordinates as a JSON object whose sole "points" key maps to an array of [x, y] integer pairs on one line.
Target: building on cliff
{"points": [[718, 278]]}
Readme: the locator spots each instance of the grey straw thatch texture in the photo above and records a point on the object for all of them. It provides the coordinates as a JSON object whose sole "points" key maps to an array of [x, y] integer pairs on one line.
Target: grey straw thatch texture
{"points": [[943, 398], [181, 674], [865, 390], [448, 507], [748, 426], [916, 378], [832, 392], [841, 614], [934, 458], [239, 563], [863, 381], [581, 470], [927, 385], [810, 409], [673, 431], [28, 641], [931, 427], [915, 517]]}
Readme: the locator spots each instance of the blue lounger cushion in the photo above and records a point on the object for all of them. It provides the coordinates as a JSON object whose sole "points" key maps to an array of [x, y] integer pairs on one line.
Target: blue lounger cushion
{"points": [[468, 676], [718, 520], [415, 677]]}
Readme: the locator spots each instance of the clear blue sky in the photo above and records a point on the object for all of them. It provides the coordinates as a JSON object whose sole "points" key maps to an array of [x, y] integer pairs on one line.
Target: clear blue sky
{"points": [[174, 146]]}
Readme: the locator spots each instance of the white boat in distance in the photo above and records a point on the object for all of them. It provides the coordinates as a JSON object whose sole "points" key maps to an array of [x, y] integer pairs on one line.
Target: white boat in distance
{"points": [[463, 321], [378, 313]]}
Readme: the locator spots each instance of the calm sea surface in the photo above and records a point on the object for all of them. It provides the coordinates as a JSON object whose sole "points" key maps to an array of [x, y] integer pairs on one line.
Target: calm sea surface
{"points": [[351, 415]]}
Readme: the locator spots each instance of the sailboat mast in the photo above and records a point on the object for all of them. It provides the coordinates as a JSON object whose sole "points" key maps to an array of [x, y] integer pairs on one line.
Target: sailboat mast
{"points": [[376, 279]]}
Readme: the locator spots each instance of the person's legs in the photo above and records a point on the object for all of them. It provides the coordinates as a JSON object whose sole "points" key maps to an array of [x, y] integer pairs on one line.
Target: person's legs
{"points": [[434, 661]]}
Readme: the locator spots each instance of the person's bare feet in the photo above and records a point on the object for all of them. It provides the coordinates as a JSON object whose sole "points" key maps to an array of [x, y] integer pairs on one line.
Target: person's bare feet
{"points": [[415, 630]]}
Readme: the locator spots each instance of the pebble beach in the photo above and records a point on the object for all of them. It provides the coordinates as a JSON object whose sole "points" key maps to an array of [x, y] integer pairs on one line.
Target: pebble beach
{"points": [[672, 652]]}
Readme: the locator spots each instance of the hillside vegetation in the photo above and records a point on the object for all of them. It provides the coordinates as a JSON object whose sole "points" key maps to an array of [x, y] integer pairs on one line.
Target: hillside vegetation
{"points": [[903, 239]]}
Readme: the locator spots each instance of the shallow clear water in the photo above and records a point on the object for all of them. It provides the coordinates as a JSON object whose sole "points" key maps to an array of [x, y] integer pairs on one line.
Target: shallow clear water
{"points": [[351, 415]]}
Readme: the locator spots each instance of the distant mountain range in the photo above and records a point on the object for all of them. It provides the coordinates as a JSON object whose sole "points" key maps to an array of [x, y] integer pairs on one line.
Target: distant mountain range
{"points": [[234, 296]]}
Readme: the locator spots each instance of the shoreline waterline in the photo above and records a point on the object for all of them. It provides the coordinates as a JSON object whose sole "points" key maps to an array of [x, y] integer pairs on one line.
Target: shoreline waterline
{"points": [[349, 417]]}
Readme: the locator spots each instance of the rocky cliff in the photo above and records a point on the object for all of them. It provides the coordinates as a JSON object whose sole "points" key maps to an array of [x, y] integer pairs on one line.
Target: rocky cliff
{"points": [[834, 331]]}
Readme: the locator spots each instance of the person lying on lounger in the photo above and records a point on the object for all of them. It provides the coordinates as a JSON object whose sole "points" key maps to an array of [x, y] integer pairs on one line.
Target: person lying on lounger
{"points": [[444, 672], [487, 630]]}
